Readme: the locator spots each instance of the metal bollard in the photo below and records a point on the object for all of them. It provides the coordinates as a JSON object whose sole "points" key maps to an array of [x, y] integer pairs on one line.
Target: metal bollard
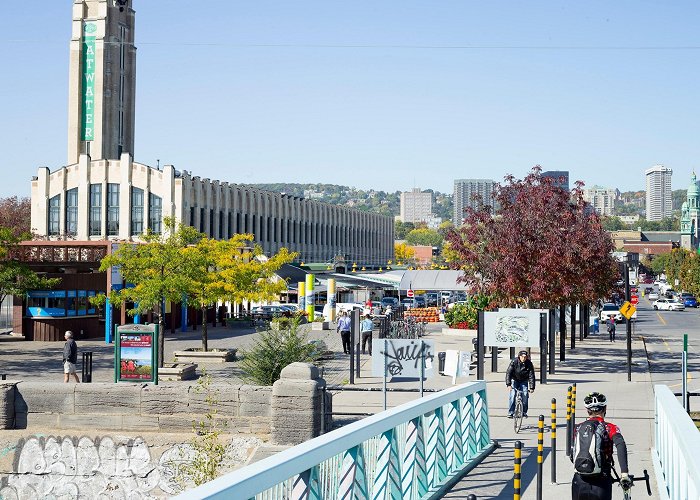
{"points": [[87, 367], [540, 446], [4, 376], [554, 441], [516, 470], [573, 415], [568, 422]]}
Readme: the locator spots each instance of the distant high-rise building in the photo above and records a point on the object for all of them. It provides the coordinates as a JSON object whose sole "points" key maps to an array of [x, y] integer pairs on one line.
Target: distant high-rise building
{"points": [[602, 199], [464, 196], [659, 199], [560, 178], [416, 206]]}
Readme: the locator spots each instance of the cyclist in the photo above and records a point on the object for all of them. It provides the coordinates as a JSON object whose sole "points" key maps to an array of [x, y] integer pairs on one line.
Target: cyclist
{"points": [[598, 486], [520, 376]]}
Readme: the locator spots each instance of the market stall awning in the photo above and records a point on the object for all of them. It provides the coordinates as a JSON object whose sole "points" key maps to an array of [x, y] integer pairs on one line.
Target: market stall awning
{"points": [[432, 280]]}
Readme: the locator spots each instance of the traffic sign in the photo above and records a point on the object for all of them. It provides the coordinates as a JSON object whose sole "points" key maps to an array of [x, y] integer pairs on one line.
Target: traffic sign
{"points": [[409, 294], [627, 310], [634, 300]]}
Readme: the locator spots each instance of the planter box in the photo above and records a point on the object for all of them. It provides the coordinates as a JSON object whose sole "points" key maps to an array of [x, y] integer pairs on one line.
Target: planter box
{"points": [[177, 371], [459, 332], [321, 325], [196, 355]]}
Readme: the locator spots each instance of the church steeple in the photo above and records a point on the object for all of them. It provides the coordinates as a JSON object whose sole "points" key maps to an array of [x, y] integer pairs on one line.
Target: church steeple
{"points": [[102, 85]]}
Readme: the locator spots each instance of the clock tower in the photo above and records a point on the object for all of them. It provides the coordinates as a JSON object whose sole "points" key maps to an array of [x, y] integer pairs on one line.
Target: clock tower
{"points": [[102, 85]]}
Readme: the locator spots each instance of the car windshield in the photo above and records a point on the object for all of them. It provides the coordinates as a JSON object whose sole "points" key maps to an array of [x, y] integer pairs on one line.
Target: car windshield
{"points": [[610, 307]]}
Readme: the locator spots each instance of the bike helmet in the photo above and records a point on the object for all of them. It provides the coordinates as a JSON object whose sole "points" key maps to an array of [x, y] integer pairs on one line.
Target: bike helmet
{"points": [[595, 401]]}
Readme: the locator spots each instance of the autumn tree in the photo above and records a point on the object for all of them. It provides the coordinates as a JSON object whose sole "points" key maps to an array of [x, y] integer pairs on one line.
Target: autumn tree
{"points": [[543, 246], [424, 236], [234, 270], [15, 214], [404, 253], [161, 268]]}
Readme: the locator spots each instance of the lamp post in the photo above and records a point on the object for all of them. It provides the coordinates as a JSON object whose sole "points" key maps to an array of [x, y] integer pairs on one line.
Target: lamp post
{"points": [[629, 321]]}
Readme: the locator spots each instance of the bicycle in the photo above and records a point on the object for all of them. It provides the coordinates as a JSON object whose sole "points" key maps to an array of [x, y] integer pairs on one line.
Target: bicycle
{"points": [[518, 411], [626, 493]]}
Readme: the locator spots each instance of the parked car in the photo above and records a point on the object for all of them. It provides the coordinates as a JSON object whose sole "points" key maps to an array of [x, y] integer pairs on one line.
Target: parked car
{"points": [[408, 303], [611, 309], [419, 301], [269, 312], [390, 301], [689, 300], [653, 296], [668, 305], [432, 299]]}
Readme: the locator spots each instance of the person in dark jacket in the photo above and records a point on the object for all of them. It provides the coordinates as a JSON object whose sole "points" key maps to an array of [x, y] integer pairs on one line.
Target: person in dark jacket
{"points": [[70, 357], [520, 376]]}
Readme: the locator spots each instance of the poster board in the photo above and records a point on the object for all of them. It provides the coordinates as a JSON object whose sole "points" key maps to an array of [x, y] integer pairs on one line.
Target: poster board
{"points": [[136, 353], [512, 328], [403, 358]]}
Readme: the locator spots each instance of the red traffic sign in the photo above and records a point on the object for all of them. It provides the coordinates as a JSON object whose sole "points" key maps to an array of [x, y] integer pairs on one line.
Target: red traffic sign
{"points": [[409, 294], [634, 300]]}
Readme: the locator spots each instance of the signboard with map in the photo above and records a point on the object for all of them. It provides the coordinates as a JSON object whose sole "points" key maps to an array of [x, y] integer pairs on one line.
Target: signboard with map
{"points": [[512, 328]]}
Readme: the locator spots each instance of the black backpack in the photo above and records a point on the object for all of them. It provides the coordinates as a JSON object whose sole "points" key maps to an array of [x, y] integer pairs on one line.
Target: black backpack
{"points": [[588, 455]]}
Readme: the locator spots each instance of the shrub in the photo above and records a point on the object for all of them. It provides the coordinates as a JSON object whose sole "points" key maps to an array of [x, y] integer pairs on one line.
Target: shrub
{"points": [[465, 315], [274, 349]]}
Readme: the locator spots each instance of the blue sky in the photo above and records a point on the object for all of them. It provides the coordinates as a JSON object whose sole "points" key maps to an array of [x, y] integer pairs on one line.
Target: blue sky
{"points": [[377, 94]]}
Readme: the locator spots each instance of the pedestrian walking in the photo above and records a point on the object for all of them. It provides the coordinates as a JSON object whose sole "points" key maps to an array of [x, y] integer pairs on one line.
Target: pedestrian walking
{"points": [[344, 330], [611, 327], [366, 328], [70, 357]]}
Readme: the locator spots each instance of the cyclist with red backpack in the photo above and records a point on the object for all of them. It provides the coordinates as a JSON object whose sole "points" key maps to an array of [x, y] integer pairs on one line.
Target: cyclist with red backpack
{"points": [[593, 453]]}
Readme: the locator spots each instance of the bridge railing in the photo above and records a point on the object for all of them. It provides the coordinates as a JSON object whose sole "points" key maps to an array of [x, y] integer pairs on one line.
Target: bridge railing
{"points": [[413, 451], [675, 455]]}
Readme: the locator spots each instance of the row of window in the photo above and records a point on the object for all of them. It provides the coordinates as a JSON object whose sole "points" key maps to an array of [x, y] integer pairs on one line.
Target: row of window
{"points": [[59, 303], [111, 201]]}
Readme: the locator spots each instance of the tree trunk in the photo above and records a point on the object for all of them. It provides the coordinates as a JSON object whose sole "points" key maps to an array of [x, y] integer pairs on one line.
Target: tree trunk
{"points": [[161, 336], [204, 329]]}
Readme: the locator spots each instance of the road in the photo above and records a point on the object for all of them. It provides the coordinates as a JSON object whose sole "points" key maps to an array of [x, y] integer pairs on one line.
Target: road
{"points": [[663, 334]]}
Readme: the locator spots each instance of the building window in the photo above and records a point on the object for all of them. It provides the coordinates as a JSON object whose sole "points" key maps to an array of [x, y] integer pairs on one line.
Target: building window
{"points": [[95, 209], [202, 216], [55, 215], [136, 211], [155, 213], [72, 212], [112, 209]]}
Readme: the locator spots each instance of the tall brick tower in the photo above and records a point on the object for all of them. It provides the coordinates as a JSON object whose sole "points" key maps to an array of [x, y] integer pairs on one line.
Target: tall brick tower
{"points": [[102, 86]]}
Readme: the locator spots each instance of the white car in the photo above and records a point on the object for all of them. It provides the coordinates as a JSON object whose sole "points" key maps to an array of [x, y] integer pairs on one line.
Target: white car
{"points": [[668, 305], [610, 309], [653, 296]]}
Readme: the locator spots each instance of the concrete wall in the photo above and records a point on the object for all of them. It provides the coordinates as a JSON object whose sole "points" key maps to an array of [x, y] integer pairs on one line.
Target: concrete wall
{"points": [[127, 440]]}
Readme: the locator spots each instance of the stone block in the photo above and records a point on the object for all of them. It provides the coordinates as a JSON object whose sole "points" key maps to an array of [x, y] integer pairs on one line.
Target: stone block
{"points": [[302, 371], [7, 405], [255, 401], [141, 423], [39, 420], [226, 395], [100, 422], [178, 423], [260, 426], [167, 399], [42, 397], [108, 399], [295, 388]]}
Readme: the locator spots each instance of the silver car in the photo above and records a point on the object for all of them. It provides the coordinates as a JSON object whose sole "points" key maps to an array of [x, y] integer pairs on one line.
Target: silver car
{"points": [[668, 305]]}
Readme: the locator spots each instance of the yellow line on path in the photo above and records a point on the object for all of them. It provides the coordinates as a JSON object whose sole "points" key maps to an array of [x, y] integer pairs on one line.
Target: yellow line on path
{"points": [[668, 348], [660, 318]]}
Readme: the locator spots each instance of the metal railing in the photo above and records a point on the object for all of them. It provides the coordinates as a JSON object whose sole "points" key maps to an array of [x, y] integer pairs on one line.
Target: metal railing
{"points": [[414, 451], [675, 455]]}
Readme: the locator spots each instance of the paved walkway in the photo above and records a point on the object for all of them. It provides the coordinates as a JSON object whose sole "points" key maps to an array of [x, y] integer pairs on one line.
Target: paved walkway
{"points": [[595, 364]]}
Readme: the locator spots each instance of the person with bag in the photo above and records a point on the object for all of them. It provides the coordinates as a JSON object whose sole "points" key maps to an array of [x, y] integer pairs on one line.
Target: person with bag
{"points": [[592, 453], [520, 376], [611, 328]]}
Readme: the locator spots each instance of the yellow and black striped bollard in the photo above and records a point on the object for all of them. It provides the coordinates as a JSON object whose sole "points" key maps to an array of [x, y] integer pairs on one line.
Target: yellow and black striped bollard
{"points": [[554, 441], [516, 469], [573, 415], [568, 422], [540, 448]]}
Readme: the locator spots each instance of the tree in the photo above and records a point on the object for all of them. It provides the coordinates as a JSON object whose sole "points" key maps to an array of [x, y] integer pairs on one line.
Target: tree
{"points": [[16, 278], [424, 236], [161, 268], [612, 223], [234, 270], [402, 228], [15, 214], [403, 253], [542, 246]]}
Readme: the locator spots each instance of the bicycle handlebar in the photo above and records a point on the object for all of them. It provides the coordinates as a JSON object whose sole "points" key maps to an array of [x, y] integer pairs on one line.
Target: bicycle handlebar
{"points": [[634, 478]]}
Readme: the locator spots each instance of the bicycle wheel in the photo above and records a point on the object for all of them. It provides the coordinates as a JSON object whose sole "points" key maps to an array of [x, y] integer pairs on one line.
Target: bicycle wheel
{"points": [[518, 414]]}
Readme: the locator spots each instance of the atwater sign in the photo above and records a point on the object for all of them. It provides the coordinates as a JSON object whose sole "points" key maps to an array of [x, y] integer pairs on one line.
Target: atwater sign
{"points": [[136, 353]]}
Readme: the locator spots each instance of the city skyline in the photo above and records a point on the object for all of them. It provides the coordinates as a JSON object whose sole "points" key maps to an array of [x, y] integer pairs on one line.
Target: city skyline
{"points": [[414, 95]]}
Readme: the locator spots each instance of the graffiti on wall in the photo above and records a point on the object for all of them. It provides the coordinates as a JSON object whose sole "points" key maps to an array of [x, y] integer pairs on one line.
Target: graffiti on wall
{"points": [[100, 468]]}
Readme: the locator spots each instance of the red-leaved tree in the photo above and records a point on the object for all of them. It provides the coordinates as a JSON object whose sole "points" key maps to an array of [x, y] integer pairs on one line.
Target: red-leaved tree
{"points": [[15, 214], [542, 246]]}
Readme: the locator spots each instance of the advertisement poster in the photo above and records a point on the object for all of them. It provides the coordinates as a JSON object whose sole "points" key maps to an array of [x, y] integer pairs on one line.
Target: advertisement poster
{"points": [[136, 361], [136, 353]]}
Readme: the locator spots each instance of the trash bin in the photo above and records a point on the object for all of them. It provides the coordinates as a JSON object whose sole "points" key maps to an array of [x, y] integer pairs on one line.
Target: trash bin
{"points": [[87, 367], [596, 325], [441, 361]]}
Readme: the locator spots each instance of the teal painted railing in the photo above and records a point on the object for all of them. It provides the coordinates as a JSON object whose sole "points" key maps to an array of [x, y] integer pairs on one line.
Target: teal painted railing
{"points": [[676, 449], [414, 451]]}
